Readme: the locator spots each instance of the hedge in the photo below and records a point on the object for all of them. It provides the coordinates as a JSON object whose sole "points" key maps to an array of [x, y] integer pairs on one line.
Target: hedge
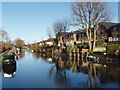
{"points": [[113, 48]]}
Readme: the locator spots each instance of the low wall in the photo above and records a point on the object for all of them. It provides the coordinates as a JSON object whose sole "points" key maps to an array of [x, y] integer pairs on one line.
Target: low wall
{"points": [[84, 50], [100, 49]]}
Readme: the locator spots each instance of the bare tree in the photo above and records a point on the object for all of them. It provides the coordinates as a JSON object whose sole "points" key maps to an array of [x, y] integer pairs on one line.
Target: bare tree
{"points": [[49, 33], [3, 36], [66, 24], [57, 27], [89, 15], [61, 26], [3, 39]]}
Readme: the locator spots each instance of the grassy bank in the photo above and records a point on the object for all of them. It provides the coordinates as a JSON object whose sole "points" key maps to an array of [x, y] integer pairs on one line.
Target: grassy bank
{"points": [[113, 49]]}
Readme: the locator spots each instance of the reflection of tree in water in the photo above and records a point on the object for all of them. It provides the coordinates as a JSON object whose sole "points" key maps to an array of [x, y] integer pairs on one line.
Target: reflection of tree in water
{"points": [[98, 75], [92, 76], [74, 66], [36, 54], [42, 55], [60, 77], [60, 74], [108, 74], [89, 81], [61, 65]]}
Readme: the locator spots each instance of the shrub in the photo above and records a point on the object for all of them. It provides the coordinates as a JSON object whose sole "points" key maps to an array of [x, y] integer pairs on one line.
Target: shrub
{"points": [[112, 48], [54, 49], [72, 48], [100, 43], [84, 45]]}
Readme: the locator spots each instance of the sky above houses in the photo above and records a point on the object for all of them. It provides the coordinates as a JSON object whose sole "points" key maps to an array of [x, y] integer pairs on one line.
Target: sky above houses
{"points": [[30, 20]]}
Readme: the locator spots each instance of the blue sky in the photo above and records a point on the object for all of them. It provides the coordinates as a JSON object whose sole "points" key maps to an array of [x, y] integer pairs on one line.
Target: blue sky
{"points": [[0, 14], [30, 20]]}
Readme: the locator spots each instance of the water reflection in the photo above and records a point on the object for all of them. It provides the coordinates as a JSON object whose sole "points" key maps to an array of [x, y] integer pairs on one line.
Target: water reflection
{"points": [[20, 56], [98, 75], [60, 71]]}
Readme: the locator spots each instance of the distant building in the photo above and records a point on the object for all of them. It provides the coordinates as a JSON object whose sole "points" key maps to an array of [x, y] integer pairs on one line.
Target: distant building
{"points": [[49, 42]]}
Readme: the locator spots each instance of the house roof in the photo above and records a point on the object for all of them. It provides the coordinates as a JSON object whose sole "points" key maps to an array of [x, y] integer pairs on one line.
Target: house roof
{"points": [[48, 40], [69, 33], [62, 33], [107, 25], [78, 31]]}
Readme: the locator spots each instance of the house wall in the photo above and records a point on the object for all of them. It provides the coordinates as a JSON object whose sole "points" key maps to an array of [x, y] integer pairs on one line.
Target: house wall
{"points": [[111, 35], [114, 34], [100, 49]]}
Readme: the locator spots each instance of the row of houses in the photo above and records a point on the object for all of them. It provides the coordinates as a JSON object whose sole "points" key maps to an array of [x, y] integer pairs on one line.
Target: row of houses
{"points": [[48, 42], [109, 32]]}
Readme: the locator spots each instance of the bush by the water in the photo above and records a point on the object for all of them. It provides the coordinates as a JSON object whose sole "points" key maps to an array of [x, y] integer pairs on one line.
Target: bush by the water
{"points": [[72, 48], [100, 43], [10, 57], [113, 49], [85, 45]]}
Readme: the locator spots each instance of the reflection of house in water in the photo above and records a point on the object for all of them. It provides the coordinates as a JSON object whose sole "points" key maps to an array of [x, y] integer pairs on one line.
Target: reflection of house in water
{"points": [[17, 57], [97, 74], [49, 59], [9, 68], [21, 55]]}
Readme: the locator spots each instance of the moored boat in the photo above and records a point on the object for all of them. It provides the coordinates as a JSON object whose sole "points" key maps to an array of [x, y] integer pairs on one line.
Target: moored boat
{"points": [[9, 68], [92, 59]]}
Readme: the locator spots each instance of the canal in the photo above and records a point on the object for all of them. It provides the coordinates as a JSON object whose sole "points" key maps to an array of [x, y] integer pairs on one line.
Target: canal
{"points": [[35, 70]]}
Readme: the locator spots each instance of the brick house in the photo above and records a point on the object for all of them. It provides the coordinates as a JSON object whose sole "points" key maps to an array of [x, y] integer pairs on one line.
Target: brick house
{"points": [[114, 34], [109, 32]]}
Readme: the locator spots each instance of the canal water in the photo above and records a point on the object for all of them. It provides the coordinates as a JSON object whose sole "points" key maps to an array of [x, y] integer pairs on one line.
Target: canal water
{"points": [[35, 70]]}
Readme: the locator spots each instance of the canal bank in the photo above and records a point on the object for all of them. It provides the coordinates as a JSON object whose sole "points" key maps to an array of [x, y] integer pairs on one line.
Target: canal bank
{"points": [[35, 70]]}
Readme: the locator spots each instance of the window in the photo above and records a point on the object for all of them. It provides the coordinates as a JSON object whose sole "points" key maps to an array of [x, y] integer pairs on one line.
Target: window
{"points": [[68, 36], [74, 43], [102, 38], [82, 34], [113, 39], [79, 34], [114, 29], [117, 39], [110, 39], [98, 32], [98, 38], [103, 31]]}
